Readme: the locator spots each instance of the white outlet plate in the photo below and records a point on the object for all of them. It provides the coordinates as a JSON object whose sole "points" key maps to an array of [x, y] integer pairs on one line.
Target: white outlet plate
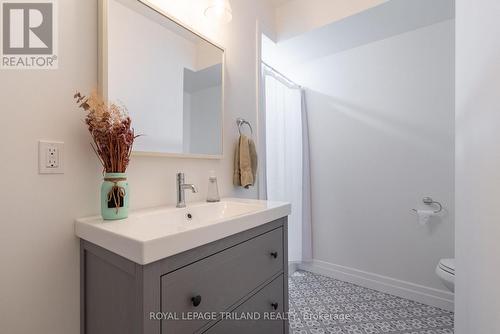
{"points": [[50, 157]]}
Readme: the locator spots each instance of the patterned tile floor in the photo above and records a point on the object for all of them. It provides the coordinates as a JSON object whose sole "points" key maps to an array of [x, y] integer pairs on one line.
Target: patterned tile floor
{"points": [[322, 305]]}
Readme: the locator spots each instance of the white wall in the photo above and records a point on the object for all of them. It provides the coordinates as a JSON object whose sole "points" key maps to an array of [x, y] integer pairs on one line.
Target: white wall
{"points": [[39, 282], [478, 167], [296, 17], [381, 135]]}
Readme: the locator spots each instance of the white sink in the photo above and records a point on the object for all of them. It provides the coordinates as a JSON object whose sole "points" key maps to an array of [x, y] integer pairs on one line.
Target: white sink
{"points": [[153, 234]]}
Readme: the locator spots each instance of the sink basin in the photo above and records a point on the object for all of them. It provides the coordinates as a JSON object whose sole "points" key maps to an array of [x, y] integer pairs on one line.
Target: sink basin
{"points": [[150, 235]]}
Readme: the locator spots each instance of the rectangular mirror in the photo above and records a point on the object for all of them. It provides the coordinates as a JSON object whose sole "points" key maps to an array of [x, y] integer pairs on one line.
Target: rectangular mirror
{"points": [[169, 78]]}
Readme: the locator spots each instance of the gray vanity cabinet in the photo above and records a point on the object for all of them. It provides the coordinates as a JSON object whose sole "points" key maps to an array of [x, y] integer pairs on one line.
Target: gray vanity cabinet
{"points": [[233, 285], [268, 301]]}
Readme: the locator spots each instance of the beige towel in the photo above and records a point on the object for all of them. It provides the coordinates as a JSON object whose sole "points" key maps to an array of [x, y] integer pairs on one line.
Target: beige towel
{"points": [[236, 171], [245, 163], [254, 159]]}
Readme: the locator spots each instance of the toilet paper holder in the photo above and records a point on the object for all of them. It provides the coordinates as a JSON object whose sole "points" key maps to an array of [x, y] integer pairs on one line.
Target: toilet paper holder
{"points": [[429, 201]]}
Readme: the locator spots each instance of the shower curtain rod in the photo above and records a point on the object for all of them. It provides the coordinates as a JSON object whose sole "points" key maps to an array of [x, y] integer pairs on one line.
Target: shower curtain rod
{"points": [[293, 84]]}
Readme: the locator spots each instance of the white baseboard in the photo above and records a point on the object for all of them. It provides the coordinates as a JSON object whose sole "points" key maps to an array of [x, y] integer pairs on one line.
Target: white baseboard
{"points": [[293, 266], [419, 293]]}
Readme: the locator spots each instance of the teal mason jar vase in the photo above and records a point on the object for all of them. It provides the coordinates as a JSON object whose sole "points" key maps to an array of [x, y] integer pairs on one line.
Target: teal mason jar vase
{"points": [[114, 196]]}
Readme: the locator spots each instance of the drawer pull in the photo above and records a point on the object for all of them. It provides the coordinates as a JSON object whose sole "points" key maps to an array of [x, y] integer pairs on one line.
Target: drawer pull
{"points": [[196, 300], [274, 255], [275, 306]]}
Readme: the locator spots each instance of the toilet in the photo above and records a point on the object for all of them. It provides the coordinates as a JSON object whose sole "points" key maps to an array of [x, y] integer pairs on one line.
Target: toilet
{"points": [[446, 272]]}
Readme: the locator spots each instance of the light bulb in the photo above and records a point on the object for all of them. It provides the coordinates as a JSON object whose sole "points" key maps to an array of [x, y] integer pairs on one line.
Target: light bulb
{"points": [[219, 10]]}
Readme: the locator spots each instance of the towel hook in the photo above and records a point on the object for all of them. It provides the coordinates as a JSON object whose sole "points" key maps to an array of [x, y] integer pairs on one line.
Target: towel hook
{"points": [[240, 122], [429, 201]]}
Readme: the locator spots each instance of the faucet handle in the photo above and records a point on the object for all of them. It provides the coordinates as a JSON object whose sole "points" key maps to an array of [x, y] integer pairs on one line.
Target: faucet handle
{"points": [[180, 177]]}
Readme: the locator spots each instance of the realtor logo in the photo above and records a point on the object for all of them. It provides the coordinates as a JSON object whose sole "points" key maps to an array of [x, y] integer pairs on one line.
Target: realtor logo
{"points": [[29, 34]]}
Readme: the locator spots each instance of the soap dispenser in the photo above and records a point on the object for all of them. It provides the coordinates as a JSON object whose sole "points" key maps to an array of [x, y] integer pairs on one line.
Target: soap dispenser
{"points": [[213, 189]]}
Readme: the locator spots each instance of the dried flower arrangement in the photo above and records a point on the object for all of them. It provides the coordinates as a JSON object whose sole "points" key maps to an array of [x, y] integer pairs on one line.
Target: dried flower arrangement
{"points": [[111, 131]]}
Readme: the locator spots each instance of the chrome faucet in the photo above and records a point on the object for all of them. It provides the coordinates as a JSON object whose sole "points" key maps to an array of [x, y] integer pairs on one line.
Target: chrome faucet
{"points": [[181, 187]]}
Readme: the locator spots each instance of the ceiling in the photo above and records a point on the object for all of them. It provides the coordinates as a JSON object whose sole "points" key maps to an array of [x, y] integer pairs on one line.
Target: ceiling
{"points": [[277, 3], [389, 19]]}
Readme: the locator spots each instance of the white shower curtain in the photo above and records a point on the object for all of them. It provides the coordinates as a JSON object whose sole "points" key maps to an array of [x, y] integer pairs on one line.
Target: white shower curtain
{"points": [[287, 159]]}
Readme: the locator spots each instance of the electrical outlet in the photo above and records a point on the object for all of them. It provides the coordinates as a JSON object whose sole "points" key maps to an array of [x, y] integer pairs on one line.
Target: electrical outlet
{"points": [[50, 157]]}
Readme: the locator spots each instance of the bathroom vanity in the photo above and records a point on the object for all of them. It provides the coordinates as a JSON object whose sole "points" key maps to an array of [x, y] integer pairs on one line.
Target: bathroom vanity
{"points": [[209, 268]]}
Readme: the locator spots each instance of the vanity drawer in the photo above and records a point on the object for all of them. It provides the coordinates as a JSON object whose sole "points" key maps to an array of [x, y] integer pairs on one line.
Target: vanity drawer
{"points": [[219, 281], [267, 303]]}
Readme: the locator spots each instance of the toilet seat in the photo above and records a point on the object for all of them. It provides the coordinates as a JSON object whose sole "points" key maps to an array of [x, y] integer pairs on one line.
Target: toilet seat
{"points": [[446, 272], [447, 265]]}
